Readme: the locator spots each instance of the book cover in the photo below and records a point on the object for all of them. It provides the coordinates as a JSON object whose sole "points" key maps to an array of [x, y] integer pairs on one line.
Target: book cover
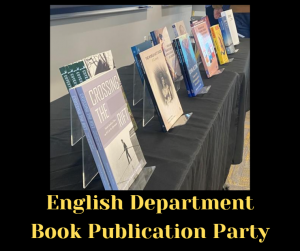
{"points": [[106, 111], [190, 62], [102, 62], [83, 70], [99, 63], [179, 28], [136, 50], [186, 82], [232, 26], [71, 75], [206, 48], [160, 86], [229, 46], [219, 44], [90, 139], [161, 36], [65, 76], [77, 72]]}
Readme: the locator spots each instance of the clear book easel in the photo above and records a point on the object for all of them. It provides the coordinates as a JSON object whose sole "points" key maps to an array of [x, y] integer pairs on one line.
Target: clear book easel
{"points": [[89, 168]]}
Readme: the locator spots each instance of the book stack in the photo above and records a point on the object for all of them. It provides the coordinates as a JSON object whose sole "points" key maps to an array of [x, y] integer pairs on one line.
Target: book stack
{"points": [[189, 66], [103, 113], [84, 69]]}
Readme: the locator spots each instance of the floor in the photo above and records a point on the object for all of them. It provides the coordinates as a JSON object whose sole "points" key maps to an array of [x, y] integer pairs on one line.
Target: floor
{"points": [[239, 175]]}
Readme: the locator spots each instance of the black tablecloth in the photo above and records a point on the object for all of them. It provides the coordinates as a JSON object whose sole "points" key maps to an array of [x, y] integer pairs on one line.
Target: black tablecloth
{"points": [[196, 156]]}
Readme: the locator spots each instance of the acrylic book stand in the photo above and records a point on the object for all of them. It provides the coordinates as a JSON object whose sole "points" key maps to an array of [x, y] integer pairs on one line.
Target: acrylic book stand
{"points": [[140, 92], [89, 168]]}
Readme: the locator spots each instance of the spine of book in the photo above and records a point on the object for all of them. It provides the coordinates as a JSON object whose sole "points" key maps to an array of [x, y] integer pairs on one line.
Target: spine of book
{"points": [[151, 94], [97, 139], [64, 74], [71, 75], [90, 139], [175, 30], [185, 68], [153, 38], [77, 73], [83, 70], [135, 52], [182, 68]]}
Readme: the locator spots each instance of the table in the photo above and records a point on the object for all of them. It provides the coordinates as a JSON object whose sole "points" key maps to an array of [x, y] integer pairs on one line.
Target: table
{"points": [[240, 65], [196, 156]]}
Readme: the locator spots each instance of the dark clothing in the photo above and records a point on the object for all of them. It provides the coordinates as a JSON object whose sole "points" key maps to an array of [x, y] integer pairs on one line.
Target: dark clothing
{"points": [[242, 21], [209, 10]]}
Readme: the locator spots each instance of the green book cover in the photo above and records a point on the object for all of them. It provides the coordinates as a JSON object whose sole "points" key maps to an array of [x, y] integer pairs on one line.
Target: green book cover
{"points": [[71, 75], [64, 74], [83, 70], [77, 73]]}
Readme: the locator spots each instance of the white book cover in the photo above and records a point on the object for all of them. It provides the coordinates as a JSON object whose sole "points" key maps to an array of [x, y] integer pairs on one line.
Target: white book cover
{"points": [[161, 84], [99, 62], [232, 26]]}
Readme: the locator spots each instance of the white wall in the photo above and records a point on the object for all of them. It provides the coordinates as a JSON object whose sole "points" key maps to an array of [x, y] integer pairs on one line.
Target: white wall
{"points": [[75, 38], [199, 10]]}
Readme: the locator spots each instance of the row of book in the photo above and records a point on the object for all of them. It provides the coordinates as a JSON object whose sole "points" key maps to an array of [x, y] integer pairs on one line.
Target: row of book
{"points": [[99, 99], [106, 118], [213, 43], [88, 67]]}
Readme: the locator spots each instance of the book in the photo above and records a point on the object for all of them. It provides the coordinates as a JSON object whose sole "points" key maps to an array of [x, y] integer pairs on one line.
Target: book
{"points": [[78, 75], [107, 115], [229, 46], [65, 76], [206, 48], [232, 26], [160, 86], [161, 36], [190, 63], [179, 28], [102, 62], [136, 50], [186, 82], [71, 75], [219, 44], [99, 62], [83, 70], [90, 139]]}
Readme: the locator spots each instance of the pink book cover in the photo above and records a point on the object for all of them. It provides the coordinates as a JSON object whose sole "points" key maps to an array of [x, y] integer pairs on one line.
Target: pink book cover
{"points": [[206, 48]]}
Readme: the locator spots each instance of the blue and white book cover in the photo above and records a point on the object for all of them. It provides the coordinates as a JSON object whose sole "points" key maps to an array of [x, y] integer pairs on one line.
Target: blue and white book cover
{"points": [[136, 50], [229, 46], [196, 82]]}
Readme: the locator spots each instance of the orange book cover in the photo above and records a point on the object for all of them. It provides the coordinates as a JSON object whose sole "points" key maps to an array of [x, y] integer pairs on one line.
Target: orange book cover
{"points": [[219, 44]]}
